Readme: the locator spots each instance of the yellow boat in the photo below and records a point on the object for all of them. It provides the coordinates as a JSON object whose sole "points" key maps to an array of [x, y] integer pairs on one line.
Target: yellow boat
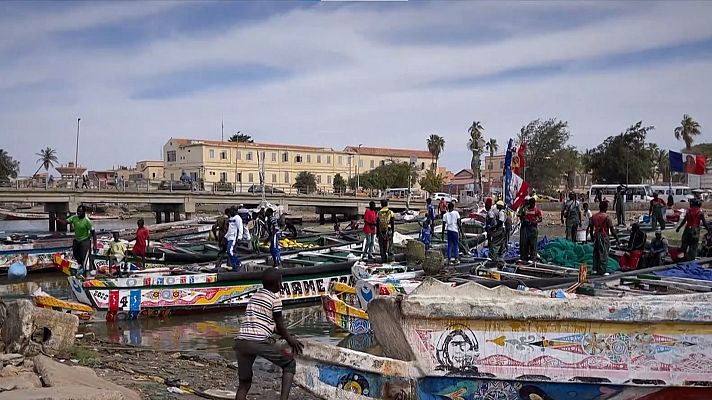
{"points": [[44, 300]]}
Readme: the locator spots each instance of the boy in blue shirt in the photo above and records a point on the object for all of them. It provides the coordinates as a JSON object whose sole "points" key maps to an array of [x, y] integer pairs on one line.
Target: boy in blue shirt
{"points": [[425, 234]]}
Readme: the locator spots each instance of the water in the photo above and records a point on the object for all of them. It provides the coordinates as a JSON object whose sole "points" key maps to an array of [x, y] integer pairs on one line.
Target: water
{"points": [[210, 332], [41, 226]]}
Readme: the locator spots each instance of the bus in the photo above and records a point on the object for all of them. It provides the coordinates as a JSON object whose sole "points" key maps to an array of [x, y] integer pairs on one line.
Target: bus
{"points": [[634, 194], [401, 193], [679, 193]]}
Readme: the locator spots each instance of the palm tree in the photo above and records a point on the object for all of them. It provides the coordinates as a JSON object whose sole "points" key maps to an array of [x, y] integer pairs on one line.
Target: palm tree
{"points": [[492, 146], [688, 129], [436, 145], [661, 163], [240, 137], [48, 157], [475, 144]]}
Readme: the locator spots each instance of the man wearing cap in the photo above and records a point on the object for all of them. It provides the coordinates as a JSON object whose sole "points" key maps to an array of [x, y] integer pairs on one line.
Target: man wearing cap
{"points": [[498, 236], [530, 216], [571, 212], [658, 249], [656, 212]]}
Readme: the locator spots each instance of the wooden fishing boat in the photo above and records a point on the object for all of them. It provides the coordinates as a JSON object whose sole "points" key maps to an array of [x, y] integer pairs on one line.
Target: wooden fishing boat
{"points": [[44, 300], [183, 291], [471, 342], [21, 216], [36, 256]]}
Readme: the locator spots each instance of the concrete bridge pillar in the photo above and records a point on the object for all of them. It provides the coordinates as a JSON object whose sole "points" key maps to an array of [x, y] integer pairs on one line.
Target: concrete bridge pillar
{"points": [[56, 210], [167, 216], [159, 220]]}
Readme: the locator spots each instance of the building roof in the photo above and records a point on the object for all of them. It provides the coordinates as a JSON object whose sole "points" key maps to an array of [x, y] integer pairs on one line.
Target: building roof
{"points": [[388, 152], [198, 142]]}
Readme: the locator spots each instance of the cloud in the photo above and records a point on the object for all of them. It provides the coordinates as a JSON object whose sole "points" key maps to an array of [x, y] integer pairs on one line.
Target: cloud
{"points": [[335, 74]]}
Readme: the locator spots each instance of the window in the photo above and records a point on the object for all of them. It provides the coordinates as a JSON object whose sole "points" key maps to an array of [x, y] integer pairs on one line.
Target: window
{"points": [[223, 155], [239, 155], [223, 177], [274, 176], [341, 160], [172, 177], [360, 163], [212, 153], [248, 157], [309, 158], [328, 159], [285, 156], [318, 179], [328, 179], [249, 177], [211, 173], [422, 165], [239, 176], [286, 176], [318, 158], [171, 156], [274, 157], [194, 176], [298, 158], [373, 163], [153, 175], [383, 162]]}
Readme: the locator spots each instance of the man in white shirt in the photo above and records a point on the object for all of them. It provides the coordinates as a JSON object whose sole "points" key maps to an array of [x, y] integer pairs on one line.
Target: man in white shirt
{"points": [[234, 233], [451, 223]]}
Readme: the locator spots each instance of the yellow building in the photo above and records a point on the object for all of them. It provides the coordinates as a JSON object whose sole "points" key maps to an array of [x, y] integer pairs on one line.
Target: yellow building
{"points": [[148, 169], [212, 161]]}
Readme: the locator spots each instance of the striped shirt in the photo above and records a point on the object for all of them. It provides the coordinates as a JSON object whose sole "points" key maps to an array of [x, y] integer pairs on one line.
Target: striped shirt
{"points": [[258, 322]]}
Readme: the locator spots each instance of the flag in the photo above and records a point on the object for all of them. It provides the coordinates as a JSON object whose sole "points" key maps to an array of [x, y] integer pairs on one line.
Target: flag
{"points": [[518, 160], [687, 163], [508, 173], [518, 191]]}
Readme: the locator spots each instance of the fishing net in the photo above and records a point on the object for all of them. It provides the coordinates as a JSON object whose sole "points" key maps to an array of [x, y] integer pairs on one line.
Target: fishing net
{"points": [[415, 252], [434, 262], [569, 254]]}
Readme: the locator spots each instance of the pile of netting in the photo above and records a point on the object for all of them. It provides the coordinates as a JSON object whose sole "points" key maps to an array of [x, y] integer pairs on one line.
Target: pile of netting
{"points": [[569, 254]]}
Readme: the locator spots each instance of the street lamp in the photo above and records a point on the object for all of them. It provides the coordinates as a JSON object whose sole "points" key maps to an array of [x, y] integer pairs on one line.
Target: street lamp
{"points": [[76, 154]]}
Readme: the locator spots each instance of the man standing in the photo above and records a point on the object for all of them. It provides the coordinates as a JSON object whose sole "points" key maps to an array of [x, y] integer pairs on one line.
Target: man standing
{"points": [[498, 237], [451, 223], [658, 249], [619, 205], [571, 212], [369, 229], [262, 316], [636, 246], [219, 231], [83, 230], [384, 229], [141, 241], [530, 217], [430, 211], [694, 218], [585, 220], [234, 233], [274, 236], [601, 226], [442, 207], [656, 212]]}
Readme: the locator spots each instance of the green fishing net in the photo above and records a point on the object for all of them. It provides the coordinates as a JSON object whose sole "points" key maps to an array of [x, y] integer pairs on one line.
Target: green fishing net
{"points": [[569, 254]]}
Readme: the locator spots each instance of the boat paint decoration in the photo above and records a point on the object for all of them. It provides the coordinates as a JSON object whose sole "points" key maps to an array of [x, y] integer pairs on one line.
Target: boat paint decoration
{"points": [[34, 261], [345, 316], [365, 384]]}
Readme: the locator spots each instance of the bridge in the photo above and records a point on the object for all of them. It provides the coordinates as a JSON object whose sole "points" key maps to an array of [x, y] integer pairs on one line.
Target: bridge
{"points": [[59, 202]]}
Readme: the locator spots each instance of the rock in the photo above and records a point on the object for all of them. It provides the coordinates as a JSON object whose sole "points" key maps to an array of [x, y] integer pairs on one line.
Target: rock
{"points": [[11, 359], [30, 330], [23, 380], [10, 370], [434, 262], [73, 392], [55, 374]]}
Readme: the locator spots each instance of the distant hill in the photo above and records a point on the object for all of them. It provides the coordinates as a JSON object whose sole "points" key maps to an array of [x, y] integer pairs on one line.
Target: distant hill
{"points": [[703, 149]]}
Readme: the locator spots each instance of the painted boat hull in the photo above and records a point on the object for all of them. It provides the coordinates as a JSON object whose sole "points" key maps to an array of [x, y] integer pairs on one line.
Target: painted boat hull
{"points": [[161, 295], [332, 372]]}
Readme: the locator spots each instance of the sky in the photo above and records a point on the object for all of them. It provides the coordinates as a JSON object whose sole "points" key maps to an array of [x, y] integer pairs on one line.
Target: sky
{"points": [[342, 73]]}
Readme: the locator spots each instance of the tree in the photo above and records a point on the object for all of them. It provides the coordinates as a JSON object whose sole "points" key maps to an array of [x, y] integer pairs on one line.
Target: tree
{"points": [[9, 168], [623, 158], [475, 144], [688, 129], [436, 145], [241, 138], [431, 182], [661, 163], [545, 140], [570, 160], [48, 158], [339, 183], [305, 182], [390, 175], [492, 146]]}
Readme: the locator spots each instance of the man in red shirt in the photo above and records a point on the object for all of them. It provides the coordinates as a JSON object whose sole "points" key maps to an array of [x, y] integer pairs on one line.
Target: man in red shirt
{"points": [[142, 240], [369, 229], [694, 218], [600, 226], [530, 216], [656, 212]]}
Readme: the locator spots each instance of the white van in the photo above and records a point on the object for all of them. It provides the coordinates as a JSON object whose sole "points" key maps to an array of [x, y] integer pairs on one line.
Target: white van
{"points": [[679, 193], [634, 194]]}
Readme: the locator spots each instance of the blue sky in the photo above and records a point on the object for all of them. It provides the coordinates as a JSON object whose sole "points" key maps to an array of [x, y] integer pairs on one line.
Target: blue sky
{"points": [[340, 73]]}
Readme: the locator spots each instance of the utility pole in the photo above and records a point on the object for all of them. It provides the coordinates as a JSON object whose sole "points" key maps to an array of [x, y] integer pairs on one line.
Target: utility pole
{"points": [[76, 154], [358, 169]]}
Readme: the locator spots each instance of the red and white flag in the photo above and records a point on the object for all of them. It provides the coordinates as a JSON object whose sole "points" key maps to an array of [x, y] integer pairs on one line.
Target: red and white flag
{"points": [[518, 190]]}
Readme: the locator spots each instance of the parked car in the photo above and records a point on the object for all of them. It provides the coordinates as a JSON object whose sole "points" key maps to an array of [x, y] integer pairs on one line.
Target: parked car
{"points": [[440, 195], [175, 185], [268, 189]]}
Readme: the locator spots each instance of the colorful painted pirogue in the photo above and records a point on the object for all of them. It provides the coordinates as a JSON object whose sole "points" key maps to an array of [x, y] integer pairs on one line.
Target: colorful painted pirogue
{"points": [[180, 291], [471, 342], [44, 300], [36, 256]]}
